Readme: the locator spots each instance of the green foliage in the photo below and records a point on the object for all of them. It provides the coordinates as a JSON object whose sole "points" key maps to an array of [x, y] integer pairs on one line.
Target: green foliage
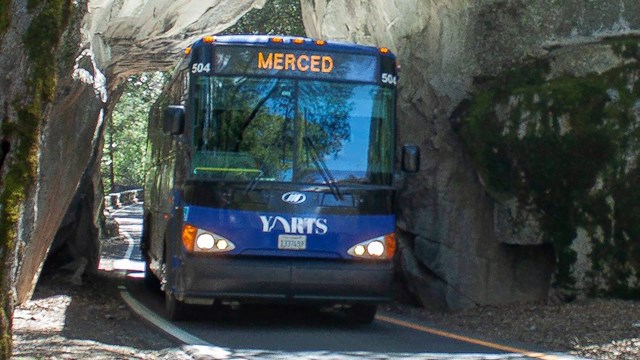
{"points": [[277, 17], [569, 147], [125, 143]]}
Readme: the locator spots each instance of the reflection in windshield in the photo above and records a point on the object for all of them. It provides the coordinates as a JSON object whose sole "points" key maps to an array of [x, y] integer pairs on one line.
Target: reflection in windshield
{"points": [[322, 167], [253, 129]]}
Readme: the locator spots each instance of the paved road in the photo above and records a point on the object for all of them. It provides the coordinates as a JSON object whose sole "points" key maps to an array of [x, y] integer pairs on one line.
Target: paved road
{"points": [[123, 253], [285, 332]]}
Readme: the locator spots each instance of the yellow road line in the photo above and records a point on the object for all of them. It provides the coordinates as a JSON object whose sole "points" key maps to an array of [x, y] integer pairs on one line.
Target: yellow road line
{"points": [[536, 355]]}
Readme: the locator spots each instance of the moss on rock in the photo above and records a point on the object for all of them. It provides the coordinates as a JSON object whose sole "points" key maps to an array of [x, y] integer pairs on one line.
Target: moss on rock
{"points": [[570, 148], [40, 41], [5, 16], [626, 47]]}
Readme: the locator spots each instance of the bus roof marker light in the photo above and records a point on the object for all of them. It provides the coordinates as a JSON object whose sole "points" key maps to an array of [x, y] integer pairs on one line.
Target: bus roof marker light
{"points": [[208, 39], [277, 39], [298, 41], [321, 42], [187, 51], [384, 50]]}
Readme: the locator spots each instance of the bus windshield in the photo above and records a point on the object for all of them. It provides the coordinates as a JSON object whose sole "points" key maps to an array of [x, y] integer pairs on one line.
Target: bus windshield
{"points": [[279, 129]]}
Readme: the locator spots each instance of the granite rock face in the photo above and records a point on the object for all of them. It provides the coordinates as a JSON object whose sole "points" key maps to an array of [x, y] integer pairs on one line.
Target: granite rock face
{"points": [[462, 242], [133, 36], [559, 136]]}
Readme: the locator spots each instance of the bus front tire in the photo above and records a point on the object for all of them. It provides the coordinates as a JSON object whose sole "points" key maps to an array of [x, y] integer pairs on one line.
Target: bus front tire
{"points": [[176, 310], [151, 281], [361, 314]]}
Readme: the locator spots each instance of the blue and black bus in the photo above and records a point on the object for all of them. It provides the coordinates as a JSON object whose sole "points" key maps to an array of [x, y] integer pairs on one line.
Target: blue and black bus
{"points": [[271, 173]]}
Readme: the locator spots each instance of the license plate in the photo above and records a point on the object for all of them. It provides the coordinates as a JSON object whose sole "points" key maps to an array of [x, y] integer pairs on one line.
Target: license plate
{"points": [[292, 242]]}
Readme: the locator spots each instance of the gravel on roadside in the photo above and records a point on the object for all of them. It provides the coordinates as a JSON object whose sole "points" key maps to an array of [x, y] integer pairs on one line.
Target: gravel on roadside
{"points": [[604, 329]]}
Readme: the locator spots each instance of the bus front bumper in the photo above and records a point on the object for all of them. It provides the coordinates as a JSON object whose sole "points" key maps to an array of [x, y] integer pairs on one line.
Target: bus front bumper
{"points": [[287, 280]]}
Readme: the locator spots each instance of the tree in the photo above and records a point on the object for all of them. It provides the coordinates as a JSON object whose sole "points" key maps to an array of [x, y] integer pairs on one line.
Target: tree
{"points": [[126, 135], [277, 17]]}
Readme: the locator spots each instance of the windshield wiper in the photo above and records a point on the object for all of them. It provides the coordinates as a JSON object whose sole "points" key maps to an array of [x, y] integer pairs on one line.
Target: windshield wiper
{"points": [[322, 167], [253, 183]]}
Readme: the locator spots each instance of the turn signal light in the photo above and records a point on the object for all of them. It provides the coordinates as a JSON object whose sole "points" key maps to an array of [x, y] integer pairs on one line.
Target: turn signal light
{"points": [[188, 236], [390, 244]]}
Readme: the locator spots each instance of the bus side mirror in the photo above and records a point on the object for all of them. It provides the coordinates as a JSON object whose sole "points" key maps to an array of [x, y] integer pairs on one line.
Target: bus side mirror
{"points": [[410, 158], [173, 120]]}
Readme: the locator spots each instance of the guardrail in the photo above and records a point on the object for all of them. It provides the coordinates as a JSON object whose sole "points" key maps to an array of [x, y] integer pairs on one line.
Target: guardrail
{"points": [[117, 200]]}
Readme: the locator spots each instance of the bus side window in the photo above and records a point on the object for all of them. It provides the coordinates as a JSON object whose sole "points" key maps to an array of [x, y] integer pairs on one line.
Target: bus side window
{"points": [[184, 90]]}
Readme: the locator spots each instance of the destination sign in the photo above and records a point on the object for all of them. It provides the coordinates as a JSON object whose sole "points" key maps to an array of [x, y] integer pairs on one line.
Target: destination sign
{"points": [[239, 60], [291, 62]]}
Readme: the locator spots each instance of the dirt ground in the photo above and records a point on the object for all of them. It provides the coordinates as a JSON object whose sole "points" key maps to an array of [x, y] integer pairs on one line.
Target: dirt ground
{"points": [[65, 321]]}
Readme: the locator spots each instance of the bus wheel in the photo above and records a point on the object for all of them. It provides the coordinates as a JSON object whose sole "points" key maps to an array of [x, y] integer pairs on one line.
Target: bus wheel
{"points": [[361, 314], [150, 279], [176, 310]]}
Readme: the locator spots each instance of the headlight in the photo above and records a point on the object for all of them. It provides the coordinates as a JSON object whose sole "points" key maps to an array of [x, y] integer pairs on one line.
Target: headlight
{"points": [[375, 248], [222, 245], [205, 241], [198, 240], [381, 247]]}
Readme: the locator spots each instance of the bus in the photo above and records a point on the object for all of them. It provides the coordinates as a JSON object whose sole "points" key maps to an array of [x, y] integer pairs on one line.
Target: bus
{"points": [[270, 175]]}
